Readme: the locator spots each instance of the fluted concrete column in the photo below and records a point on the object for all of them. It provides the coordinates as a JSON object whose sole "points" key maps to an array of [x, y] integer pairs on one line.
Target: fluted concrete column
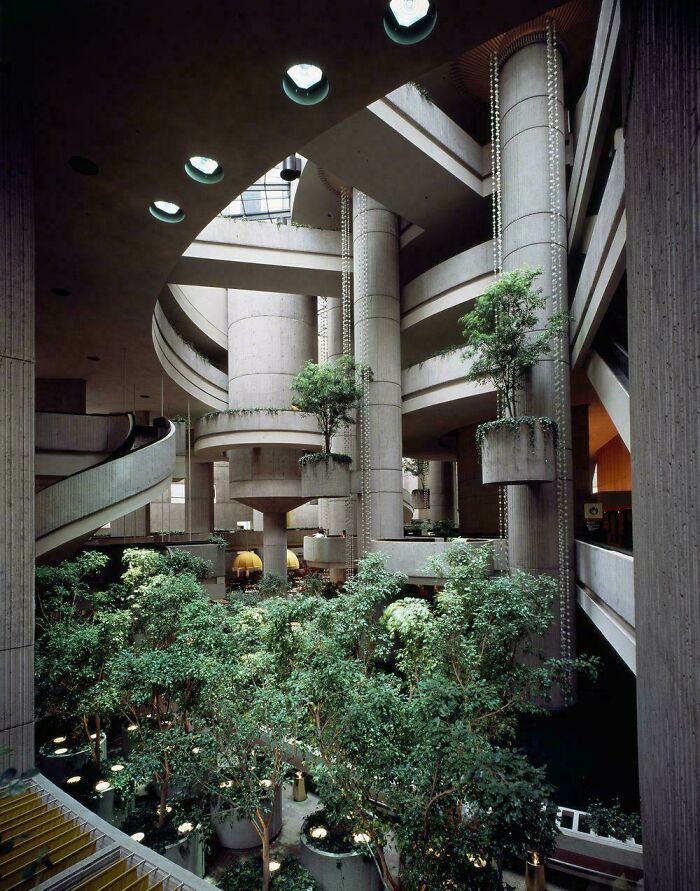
{"points": [[441, 485], [533, 519], [275, 544], [478, 504], [137, 523], [199, 498], [16, 407], [378, 344], [661, 97]]}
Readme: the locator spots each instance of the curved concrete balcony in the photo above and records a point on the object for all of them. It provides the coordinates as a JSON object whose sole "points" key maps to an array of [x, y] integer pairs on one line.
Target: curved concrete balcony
{"points": [[412, 556], [76, 506], [69, 443], [204, 309], [187, 368], [437, 399], [325, 552], [433, 302], [214, 435]]}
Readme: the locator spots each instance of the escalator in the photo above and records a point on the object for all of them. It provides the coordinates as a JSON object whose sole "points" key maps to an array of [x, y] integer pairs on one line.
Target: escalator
{"points": [[92, 469]]}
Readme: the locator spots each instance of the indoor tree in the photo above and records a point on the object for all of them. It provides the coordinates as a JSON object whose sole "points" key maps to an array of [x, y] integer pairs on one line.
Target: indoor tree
{"points": [[418, 467], [330, 391]]}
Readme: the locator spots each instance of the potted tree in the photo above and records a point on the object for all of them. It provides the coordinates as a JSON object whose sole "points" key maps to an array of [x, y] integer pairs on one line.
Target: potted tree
{"points": [[418, 467], [331, 391], [507, 333]]}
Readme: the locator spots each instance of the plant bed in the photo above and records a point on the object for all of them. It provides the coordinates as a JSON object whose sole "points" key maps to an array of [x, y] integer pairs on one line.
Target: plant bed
{"points": [[336, 860], [179, 839], [238, 833], [63, 757], [187, 850], [517, 450], [325, 475]]}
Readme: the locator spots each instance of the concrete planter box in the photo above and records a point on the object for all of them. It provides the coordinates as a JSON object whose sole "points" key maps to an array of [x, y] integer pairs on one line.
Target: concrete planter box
{"points": [[58, 767], [324, 552], [326, 478], [523, 455], [339, 872], [188, 853], [420, 499], [239, 834]]}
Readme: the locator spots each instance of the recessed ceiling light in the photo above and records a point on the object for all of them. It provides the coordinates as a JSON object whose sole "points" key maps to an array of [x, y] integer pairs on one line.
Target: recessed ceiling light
{"points": [[83, 165], [204, 170], [305, 83], [60, 292], [167, 212], [94, 358], [409, 21], [144, 396]]}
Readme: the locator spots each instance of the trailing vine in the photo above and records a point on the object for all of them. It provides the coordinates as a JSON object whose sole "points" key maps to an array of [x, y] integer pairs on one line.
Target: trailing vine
{"points": [[515, 425], [241, 412], [317, 457]]}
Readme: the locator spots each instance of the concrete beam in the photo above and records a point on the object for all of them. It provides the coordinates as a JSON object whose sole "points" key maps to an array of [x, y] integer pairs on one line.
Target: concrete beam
{"points": [[615, 398]]}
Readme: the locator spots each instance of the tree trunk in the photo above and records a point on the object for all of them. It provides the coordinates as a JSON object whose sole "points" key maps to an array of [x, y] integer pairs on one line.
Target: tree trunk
{"points": [[97, 749], [327, 438], [266, 856]]}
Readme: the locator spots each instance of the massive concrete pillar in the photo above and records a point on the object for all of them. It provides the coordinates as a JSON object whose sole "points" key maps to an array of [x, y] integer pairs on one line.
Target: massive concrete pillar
{"points": [[441, 485], [527, 239], [378, 344], [136, 524], [199, 498], [271, 336], [16, 406], [661, 98], [478, 504]]}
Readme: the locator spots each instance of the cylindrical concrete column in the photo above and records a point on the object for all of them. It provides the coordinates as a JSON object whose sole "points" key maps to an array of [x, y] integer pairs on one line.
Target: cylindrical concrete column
{"points": [[527, 239], [275, 544], [661, 97], [16, 406], [478, 504], [378, 344], [441, 484], [199, 498]]}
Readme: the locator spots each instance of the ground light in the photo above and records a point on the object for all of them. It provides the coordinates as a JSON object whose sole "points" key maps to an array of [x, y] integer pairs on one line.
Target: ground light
{"points": [[305, 83], [166, 212], [409, 21], [204, 170]]}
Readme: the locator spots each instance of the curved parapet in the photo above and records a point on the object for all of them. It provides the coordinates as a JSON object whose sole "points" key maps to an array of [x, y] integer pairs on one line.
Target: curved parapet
{"points": [[324, 552], [411, 556], [74, 507], [190, 370], [204, 309], [216, 434], [68, 443]]}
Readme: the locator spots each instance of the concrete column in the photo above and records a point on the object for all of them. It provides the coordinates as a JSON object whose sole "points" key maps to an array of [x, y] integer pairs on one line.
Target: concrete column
{"points": [[378, 344], [131, 525], [661, 97], [199, 498], [275, 544], [478, 504], [16, 405], [440, 483], [532, 514]]}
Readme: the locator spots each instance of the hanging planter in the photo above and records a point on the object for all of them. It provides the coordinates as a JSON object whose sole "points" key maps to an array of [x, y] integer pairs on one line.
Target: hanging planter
{"points": [[325, 475], [517, 450], [420, 499], [238, 833]]}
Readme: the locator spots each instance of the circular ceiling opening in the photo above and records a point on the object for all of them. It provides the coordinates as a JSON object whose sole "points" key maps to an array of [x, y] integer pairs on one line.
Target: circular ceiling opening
{"points": [[167, 212], [83, 165], [61, 292], [204, 170], [305, 83], [409, 21]]}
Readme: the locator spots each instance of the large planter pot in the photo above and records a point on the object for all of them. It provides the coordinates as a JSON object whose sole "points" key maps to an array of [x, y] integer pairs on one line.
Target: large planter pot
{"points": [[239, 834], [420, 499], [518, 454], [325, 478], [188, 853], [58, 761], [339, 872]]}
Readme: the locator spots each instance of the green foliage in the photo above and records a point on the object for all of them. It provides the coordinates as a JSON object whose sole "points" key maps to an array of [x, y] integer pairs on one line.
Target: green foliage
{"points": [[317, 457], [245, 876], [243, 412], [443, 528], [418, 467], [611, 819], [515, 424], [218, 540], [330, 391], [500, 332], [271, 585]]}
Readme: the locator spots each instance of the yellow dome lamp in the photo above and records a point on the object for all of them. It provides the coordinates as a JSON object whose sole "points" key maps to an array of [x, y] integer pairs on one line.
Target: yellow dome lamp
{"points": [[246, 562], [292, 560]]}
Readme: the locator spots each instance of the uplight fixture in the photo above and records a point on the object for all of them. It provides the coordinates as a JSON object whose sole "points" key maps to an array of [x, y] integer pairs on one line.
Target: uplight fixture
{"points": [[166, 212], [319, 832], [361, 838], [204, 170], [409, 21], [103, 786], [59, 739], [305, 83], [60, 751], [116, 768], [71, 781], [275, 865], [138, 836], [183, 828]]}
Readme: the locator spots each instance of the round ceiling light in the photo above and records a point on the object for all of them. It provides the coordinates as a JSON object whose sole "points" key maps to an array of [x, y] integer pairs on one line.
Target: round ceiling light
{"points": [[409, 21], [305, 83], [167, 212], [83, 165], [94, 358], [204, 170], [60, 292]]}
